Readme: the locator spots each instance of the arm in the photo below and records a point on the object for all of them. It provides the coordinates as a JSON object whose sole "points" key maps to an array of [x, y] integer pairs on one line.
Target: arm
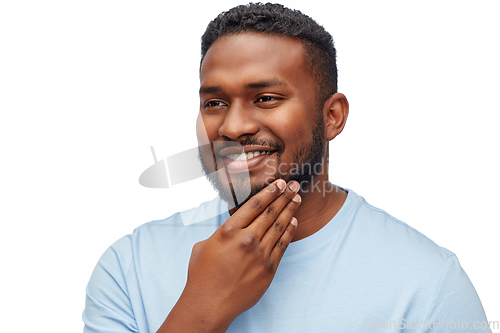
{"points": [[455, 305], [108, 307], [230, 271]]}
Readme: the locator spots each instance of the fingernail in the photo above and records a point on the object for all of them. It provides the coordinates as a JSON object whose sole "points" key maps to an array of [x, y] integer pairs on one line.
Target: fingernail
{"points": [[294, 186], [281, 184], [294, 221], [296, 198]]}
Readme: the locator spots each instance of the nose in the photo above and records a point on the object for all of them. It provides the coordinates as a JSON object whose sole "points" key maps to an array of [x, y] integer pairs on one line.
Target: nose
{"points": [[238, 121]]}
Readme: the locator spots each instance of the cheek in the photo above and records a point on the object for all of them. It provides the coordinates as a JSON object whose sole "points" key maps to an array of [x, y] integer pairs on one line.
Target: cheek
{"points": [[202, 130], [293, 129]]}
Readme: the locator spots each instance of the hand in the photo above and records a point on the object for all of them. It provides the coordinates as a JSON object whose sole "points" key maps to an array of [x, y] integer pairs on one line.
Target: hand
{"points": [[230, 271]]}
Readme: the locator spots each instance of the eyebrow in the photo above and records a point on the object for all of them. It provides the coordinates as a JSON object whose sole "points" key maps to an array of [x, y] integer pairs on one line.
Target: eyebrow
{"points": [[253, 85], [210, 90], [265, 84]]}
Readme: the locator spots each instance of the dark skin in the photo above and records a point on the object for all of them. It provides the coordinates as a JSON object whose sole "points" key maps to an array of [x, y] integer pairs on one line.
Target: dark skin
{"points": [[256, 85]]}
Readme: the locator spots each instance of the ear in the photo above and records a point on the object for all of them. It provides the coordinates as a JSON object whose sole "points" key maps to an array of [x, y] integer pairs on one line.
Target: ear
{"points": [[335, 112]]}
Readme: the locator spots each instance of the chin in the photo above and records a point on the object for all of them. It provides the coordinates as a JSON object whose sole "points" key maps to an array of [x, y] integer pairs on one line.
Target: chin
{"points": [[239, 192]]}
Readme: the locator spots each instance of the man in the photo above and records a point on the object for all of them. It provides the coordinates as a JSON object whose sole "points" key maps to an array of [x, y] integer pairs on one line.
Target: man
{"points": [[297, 254]]}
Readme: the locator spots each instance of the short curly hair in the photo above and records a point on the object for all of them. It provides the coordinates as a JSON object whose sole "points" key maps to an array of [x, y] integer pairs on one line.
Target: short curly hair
{"points": [[276, 19]]}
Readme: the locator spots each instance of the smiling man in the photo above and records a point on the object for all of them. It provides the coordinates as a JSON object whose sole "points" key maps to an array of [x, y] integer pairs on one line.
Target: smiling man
{"points": [[298, 254], [258, 97]]}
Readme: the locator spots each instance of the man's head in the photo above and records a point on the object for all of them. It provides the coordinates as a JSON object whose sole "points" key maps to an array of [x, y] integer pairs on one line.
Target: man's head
{"points": [[276, 19], [267, 87]]}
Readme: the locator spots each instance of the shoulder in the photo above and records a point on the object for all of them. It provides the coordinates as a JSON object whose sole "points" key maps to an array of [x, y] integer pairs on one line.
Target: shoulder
{"points": [[394, 240], [151, 249], [193, 223], [396, 262], [183, 227]]}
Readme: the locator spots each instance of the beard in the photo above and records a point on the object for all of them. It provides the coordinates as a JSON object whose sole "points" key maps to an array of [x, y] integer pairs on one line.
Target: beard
{"points": [[303, 168]]}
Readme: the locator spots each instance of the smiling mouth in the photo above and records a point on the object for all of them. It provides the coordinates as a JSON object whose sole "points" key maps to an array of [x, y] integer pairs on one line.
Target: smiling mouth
{"points": [[245, 161], [247, 156]]}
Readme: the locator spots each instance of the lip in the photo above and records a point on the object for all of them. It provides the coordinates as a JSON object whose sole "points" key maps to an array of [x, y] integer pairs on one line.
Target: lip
{"points": [[237, 166], [247, 149]]}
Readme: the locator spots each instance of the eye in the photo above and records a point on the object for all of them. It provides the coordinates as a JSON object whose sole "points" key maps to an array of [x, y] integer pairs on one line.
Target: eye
{"points": [[214, 104], [268, 102], [267, 99]]}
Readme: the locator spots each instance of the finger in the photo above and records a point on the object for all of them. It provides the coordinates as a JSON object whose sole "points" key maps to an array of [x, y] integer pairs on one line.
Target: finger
{"points": [[266, 219], [278, 228], [256, 205], [282, 244]]}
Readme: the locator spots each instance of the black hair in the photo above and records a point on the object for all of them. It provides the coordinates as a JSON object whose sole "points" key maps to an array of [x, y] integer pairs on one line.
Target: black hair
{"points": [[276, 19]]}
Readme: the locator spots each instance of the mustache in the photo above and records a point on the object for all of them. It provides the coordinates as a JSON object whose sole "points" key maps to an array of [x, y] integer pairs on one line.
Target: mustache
{"points": [[275, 145]]}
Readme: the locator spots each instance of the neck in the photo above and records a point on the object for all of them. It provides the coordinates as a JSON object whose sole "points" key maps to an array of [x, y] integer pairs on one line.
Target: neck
{"points": [[321, 201], [318, 207]]}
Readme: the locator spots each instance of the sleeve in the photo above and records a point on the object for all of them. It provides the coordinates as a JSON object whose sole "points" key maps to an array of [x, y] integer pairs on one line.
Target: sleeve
{"points": [[108, 307], [455, 305]]}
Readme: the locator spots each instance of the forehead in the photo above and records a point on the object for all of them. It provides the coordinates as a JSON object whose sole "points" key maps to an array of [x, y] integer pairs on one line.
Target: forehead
{"points": [[252, 56]]}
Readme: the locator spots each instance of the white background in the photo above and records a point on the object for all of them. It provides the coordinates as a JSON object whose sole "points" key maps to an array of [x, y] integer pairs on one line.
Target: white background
{"points": [[86, 87]]}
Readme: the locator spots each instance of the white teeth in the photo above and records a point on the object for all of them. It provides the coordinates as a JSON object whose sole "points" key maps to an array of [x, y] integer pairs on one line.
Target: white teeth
{"points": [[247, 156]]}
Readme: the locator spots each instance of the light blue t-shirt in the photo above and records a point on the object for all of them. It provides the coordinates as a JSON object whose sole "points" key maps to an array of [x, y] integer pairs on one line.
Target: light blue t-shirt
{"points": [[365, 271]]}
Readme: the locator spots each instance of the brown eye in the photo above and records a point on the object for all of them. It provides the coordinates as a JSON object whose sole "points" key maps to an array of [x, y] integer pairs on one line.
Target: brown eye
{"points": [[267, 99], [214, 104], [269, 102]]}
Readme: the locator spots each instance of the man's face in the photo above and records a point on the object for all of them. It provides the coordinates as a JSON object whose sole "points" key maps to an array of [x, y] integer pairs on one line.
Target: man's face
{"points": [[256, 96]]}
